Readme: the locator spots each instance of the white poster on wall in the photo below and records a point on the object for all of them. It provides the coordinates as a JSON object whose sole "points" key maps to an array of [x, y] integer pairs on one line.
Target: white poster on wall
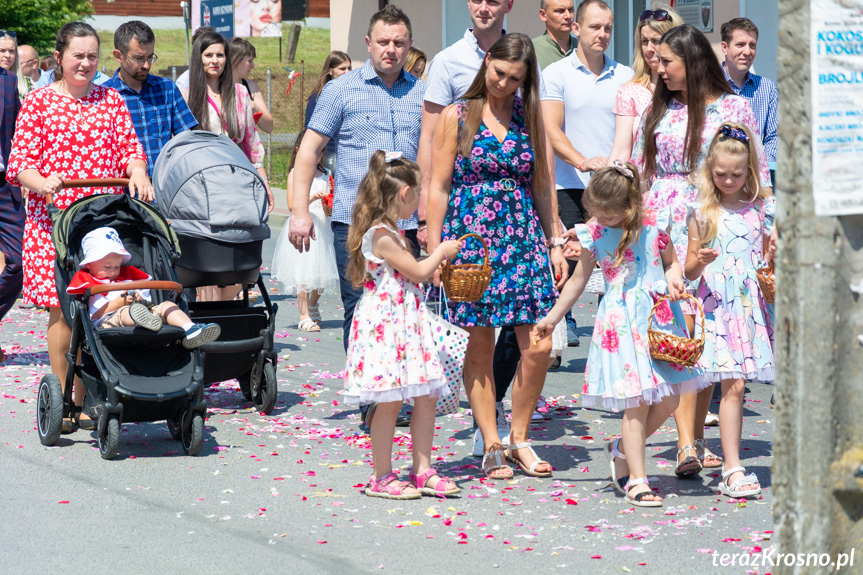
{"points": [[698, 13], [837, 106]]}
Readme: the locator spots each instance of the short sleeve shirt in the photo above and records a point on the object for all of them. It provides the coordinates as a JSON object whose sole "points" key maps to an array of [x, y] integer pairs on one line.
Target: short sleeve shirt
{"points": [[453, 70], [159, 113], [588, 118], [364, 115]]}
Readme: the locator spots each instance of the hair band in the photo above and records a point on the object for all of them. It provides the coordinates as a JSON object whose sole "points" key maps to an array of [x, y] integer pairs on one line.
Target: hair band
{"points": [[390, 157], [734, 133], [622, 169]]}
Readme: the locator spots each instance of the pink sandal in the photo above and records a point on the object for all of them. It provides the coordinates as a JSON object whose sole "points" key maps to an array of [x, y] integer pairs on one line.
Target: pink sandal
{"points": [[439, 490], [389, 487]]}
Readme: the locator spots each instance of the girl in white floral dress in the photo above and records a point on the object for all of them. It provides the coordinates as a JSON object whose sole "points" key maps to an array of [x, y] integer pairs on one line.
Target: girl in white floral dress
{"points": [[391, 355], [638, 261]]}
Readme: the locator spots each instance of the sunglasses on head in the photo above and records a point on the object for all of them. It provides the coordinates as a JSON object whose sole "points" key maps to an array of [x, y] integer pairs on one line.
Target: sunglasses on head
{"points": [[9, 33], [658, 15]]}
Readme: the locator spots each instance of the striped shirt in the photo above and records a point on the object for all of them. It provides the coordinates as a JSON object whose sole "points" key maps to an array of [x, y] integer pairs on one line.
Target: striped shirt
{"points": [[364, 115], [762, 96], [158, 113]]}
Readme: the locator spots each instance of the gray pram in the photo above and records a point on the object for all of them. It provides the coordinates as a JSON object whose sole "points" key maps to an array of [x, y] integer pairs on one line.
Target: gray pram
{"points": [[217, 204]]}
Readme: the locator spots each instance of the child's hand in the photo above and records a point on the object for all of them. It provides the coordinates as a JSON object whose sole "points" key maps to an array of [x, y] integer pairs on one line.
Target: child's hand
{"points": [[707, 255], [572, 249], [450, 247], [771, 246], [128, 297], [543, 328], [676, 289]]}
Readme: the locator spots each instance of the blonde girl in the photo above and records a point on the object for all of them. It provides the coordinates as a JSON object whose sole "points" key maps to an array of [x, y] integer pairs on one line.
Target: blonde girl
{"points": [[637, 260], [391, 354], [729, 235]]}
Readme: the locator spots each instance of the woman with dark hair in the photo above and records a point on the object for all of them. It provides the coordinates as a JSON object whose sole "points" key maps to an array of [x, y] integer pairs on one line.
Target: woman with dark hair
{"points": [[490, 177], [69, 130], [242, 63], [690, 103], [223, 107]]}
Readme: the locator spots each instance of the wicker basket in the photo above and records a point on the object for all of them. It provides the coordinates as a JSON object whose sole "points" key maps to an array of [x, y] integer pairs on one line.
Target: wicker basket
{"points": [[467, 282], [767, 281], [674, 348], [328, 210]]}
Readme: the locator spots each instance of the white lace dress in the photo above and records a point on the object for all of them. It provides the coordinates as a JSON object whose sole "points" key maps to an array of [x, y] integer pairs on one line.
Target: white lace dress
{"points": [[314, 270]]}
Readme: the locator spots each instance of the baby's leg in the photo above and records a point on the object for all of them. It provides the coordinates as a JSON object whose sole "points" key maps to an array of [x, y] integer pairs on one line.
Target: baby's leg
{"points": [[171, 313]]}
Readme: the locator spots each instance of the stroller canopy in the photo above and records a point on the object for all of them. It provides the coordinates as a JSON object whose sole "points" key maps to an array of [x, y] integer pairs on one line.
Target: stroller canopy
{"points": [[208, 189]]}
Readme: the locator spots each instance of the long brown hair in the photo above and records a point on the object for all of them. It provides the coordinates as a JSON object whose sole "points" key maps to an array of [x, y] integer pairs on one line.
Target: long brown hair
{"points": [[511, 48], [377, 202], [704, 78], [617, 190], [709, 196], [198, 103], [334, 60]]}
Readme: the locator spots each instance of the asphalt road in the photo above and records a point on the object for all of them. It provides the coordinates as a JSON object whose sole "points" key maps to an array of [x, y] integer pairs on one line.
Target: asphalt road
{"points": [[282, 493]]}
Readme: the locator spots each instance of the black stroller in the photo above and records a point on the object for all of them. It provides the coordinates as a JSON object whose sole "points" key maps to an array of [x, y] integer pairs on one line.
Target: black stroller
{"points": [[217, 204], [130, 374]]}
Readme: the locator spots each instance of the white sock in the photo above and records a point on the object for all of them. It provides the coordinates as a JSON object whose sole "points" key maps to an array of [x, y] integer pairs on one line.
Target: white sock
{"points": [[188, 325]]}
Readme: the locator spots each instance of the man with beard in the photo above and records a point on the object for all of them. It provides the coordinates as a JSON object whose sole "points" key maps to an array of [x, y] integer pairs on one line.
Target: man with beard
{"points": [[155, 104]]}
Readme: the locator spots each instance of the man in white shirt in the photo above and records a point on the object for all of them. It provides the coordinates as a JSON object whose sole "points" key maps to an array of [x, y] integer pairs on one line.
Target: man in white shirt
{"points": [[577, 99], [450, 74], [29, 59]]}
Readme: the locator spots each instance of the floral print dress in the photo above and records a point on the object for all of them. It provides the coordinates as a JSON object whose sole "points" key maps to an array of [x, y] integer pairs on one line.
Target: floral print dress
{"points": [[491, 196], [739, 342], [91, 137], [671, 185], [391, 355], [620, 372]]}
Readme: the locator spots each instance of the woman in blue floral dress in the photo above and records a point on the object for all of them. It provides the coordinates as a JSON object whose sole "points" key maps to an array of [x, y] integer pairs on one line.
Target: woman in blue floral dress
{"points": [[489, 177]]}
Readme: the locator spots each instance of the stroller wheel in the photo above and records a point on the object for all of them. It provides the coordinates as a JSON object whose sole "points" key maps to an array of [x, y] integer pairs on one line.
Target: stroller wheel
{"points": [[109, 440], [174, 425], [246, 385], [265, 398], [192, 436], [49, 413]]}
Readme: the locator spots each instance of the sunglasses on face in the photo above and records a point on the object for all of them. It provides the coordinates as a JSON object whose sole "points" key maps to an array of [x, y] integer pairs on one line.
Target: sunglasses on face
{"points": [[658, 15], [9, 33]]}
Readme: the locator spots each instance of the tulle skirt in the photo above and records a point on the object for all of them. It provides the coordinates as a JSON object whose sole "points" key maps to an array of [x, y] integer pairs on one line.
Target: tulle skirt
{"points": [[314, 270]]}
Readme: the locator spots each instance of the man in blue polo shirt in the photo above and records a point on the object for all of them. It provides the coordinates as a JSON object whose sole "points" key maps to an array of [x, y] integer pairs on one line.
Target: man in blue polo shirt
{"points": [[376, 107], [739, 41], [158, 110]]}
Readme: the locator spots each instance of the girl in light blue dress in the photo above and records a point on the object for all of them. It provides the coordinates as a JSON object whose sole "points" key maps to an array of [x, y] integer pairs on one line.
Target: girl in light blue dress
{"points": [[639, 265]]}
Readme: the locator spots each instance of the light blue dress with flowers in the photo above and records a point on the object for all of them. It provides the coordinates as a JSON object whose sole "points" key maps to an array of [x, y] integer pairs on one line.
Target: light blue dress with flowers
{"points": [[620, 372]]}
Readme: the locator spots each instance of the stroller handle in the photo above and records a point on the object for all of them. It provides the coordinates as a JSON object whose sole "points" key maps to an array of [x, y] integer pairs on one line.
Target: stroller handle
{"points": [[90, 183], [142, 284]]}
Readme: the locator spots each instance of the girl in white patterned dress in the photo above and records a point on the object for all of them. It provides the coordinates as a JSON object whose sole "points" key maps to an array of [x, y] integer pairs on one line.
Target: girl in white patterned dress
{"points": [[391, 354]]}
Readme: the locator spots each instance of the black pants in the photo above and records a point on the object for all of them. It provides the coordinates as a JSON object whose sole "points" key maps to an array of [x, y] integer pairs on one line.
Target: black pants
{"points": [[11, 238]]}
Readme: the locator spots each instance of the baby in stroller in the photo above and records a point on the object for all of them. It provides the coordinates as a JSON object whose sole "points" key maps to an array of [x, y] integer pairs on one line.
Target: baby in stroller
{"points": [[104, 256]]}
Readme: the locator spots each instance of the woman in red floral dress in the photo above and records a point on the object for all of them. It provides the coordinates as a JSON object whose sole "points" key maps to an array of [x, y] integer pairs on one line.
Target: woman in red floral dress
{"points": [[71, 129]]}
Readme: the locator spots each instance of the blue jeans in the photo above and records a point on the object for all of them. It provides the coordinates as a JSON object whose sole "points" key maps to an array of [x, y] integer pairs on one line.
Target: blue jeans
{"points": [[350, 294]]}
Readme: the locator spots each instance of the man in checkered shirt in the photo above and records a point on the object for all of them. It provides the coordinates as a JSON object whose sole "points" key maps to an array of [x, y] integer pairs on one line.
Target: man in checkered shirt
{"points": [[375, 107], [158, 110]]}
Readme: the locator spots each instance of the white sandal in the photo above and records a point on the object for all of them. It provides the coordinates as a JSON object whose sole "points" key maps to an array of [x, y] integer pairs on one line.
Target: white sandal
{"points": [[308, 325], [612, 453], [734, 490], [638, 498], [531, 471]]}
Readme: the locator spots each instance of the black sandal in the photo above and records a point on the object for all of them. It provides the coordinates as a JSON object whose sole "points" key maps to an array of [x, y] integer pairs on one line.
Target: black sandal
{"points": [[85, 424]]}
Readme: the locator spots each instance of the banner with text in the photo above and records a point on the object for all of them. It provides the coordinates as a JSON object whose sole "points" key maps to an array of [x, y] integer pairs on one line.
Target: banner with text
{"points": [[836, 61], [256, 18]]}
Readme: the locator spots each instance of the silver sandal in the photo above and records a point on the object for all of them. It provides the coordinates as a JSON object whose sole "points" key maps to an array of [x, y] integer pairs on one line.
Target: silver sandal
{"points": [[733, 490]]}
